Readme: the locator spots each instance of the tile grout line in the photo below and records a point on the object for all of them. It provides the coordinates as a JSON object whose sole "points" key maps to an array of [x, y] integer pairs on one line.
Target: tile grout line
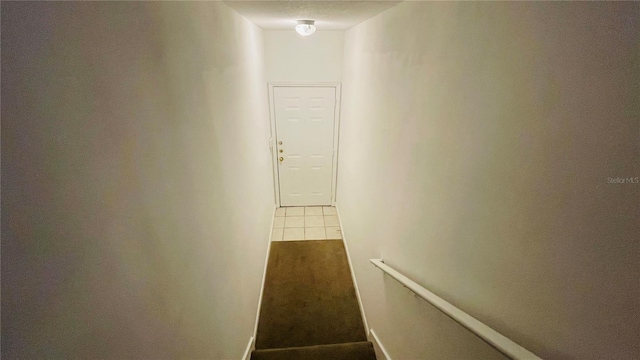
{"points": [[304, 226]]}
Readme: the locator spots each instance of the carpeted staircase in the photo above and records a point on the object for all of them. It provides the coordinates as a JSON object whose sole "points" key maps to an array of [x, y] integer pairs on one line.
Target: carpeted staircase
{"points": [[309, 307]]}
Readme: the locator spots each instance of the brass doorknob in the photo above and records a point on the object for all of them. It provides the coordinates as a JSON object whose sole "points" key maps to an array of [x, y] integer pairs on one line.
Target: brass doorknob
{"points": [[281, 158]]}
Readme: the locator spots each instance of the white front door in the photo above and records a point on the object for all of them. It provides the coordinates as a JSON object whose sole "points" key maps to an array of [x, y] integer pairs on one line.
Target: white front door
{"points": [[305, 118]]}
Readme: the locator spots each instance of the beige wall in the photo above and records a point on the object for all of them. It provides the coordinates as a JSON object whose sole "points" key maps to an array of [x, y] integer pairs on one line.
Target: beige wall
{"points": [[476, 144], [294, 58], [136, 180]]}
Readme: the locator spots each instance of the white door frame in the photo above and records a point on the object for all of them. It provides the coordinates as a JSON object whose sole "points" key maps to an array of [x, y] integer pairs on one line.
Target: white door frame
{"points": [[272, 141]]}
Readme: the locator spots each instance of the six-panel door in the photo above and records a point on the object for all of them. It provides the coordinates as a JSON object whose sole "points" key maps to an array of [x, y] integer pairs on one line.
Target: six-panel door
{"points": [[305, 119]]}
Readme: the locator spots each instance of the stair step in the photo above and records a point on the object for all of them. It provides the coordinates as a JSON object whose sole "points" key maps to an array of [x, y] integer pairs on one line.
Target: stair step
{"points": [[309, 297], [362, 350]]}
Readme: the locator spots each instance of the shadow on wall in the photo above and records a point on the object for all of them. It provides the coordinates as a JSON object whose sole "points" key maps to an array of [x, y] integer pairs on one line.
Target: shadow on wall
{"points": [[123, 226]]}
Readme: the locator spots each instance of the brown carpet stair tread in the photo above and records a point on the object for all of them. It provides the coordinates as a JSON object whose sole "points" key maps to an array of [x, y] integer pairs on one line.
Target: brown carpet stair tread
{"points": [[351, 351], [309, 298]]}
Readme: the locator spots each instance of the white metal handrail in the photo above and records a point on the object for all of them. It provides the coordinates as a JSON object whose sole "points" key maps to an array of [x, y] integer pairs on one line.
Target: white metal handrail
{"points": [[497, 340]]}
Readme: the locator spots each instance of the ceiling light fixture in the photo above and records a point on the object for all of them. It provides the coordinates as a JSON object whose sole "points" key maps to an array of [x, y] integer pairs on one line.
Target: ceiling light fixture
{"points": [[305, 27]]}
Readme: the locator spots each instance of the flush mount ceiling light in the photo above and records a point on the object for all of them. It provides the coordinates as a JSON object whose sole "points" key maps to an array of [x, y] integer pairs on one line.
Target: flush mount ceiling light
{"points": [[305, 27]]}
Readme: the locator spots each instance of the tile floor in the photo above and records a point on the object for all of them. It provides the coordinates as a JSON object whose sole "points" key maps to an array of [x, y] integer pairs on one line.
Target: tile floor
{"points": [[306, 223]]}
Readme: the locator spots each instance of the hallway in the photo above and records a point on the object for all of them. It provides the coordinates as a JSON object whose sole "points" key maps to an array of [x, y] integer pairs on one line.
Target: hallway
{"points": [[309, 308], [488, 152]]}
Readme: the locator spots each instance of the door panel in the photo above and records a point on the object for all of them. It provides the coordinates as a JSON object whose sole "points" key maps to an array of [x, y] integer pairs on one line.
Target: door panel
{"points": [[305, 119]]}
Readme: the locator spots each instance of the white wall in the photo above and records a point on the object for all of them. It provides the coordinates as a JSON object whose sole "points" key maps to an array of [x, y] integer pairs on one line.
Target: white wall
{"points": [[476, 144], [136, 180], [294, 58]]}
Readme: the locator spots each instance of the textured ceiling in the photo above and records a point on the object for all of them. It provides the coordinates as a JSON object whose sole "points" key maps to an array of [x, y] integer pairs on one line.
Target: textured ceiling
{"points": [[329, 15]]}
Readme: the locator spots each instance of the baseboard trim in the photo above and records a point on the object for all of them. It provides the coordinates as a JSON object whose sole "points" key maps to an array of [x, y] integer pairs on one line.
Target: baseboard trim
{"points": [[264, 276], [378, 347], [247, 351], [353, 274]]}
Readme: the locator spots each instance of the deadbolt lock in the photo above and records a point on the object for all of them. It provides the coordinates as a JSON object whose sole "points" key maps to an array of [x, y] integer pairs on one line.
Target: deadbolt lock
{"points": [[281, 150], [279, 142]]}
